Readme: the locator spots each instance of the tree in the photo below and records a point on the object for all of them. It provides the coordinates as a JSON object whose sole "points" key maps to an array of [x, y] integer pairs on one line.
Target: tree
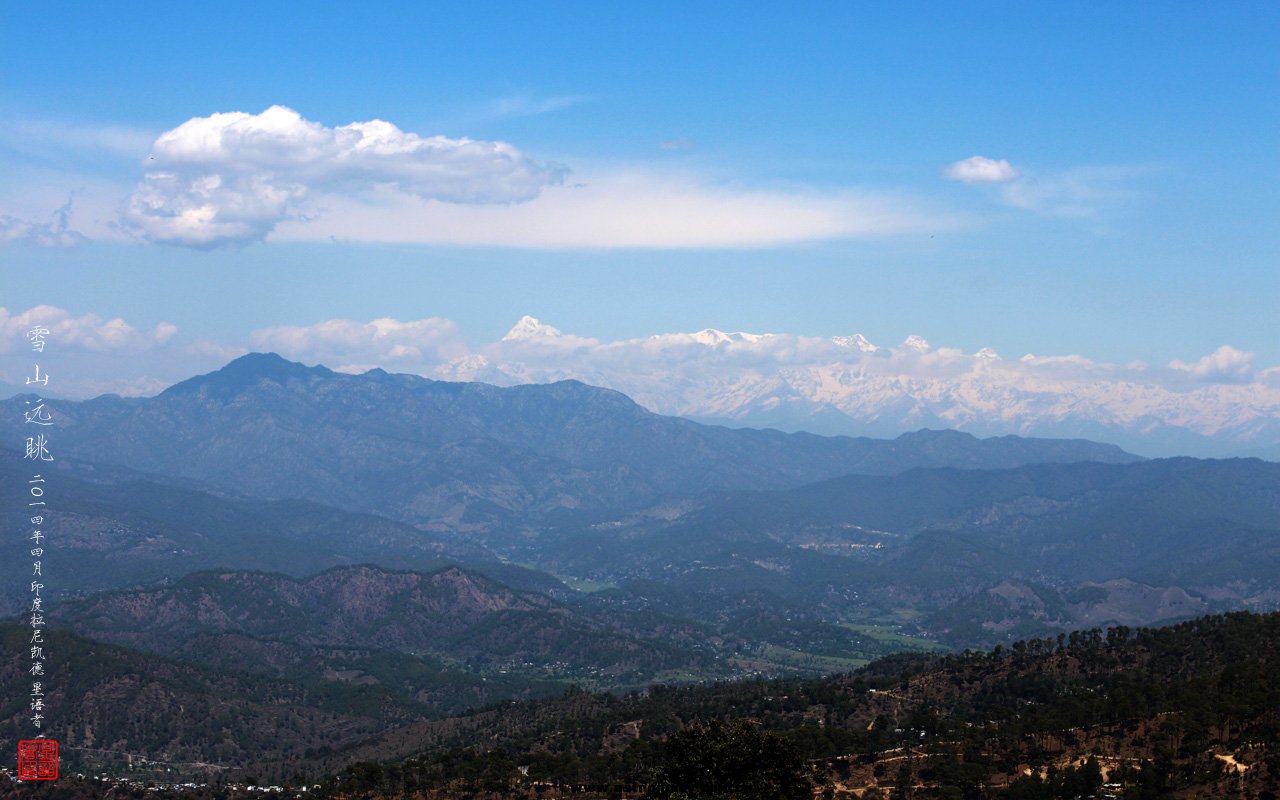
{"points": [[733, 762], [904, 785]]}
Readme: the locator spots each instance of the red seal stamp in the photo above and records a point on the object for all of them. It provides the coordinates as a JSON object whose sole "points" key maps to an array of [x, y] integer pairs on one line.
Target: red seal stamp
{"points": [[37, 760]]}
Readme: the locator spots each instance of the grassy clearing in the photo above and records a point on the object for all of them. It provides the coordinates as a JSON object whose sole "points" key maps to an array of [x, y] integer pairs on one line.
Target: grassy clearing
{"points": [[584, 585], [771, 655], [890, 637]]}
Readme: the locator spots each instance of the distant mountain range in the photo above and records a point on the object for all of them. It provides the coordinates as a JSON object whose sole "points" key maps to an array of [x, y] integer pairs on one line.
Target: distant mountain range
{"points": [[346, 556], [471, 456], [1220, 406], [768, 540], [115, 528], [987, 553]]}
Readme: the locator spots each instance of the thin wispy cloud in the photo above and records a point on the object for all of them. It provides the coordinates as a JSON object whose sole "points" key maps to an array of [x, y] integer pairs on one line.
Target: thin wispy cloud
{"points": [[42, 136], [526, 105], [631, 209], [1079, 192], [55, 231], [1076, 192]]}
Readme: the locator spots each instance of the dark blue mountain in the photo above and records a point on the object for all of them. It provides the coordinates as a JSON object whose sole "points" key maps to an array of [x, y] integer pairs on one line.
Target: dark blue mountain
{"points": [[475, 456]]}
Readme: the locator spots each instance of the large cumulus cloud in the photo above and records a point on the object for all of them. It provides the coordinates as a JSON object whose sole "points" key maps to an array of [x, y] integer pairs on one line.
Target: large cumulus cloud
{"points": [[231, 178], [1224, 365]]}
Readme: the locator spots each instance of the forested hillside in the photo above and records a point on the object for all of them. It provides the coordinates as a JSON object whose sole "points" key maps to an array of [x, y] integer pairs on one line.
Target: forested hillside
{"points": [[1191, 710]]}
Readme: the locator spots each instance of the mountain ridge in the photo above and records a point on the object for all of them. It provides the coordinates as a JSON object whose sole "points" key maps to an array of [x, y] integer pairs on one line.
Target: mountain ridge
{"points": [[453, 613], [465, 456]]}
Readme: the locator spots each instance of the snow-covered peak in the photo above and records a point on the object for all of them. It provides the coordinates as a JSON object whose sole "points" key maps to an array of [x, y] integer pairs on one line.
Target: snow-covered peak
{"points": [[713, 336], [529, 328], [987, 354], [470, 363], [917, 343], [855, 342], [709, 337]]}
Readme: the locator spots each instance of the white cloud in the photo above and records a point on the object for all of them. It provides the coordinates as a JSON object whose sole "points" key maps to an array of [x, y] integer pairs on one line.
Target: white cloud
{"points": [[353, 346], [86, 355], [236, 178], [782, 379], [87, 332], [534, 350], [40, 136], [1224, 365], [56, 232], [524, 105], [793, 381], [232, 178], [218, 352], [980, 169], [620, 210], [63, 207], [1081, 192]]}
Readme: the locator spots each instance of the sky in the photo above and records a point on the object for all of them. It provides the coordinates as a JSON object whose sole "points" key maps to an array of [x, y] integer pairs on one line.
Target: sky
{"points": [[1075, 179]]}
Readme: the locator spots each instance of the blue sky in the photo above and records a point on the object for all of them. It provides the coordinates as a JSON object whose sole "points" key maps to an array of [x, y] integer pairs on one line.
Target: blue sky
{"points": [[1136, 219]]}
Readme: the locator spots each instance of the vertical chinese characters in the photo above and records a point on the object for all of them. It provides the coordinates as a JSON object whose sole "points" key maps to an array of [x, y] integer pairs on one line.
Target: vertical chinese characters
{"points": [[37, 450]]}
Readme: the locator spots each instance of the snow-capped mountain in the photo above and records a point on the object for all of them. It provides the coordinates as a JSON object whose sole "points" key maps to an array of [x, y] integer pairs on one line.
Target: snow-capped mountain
{"points": [[856, 342], [847, 384], [530, 328]]}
